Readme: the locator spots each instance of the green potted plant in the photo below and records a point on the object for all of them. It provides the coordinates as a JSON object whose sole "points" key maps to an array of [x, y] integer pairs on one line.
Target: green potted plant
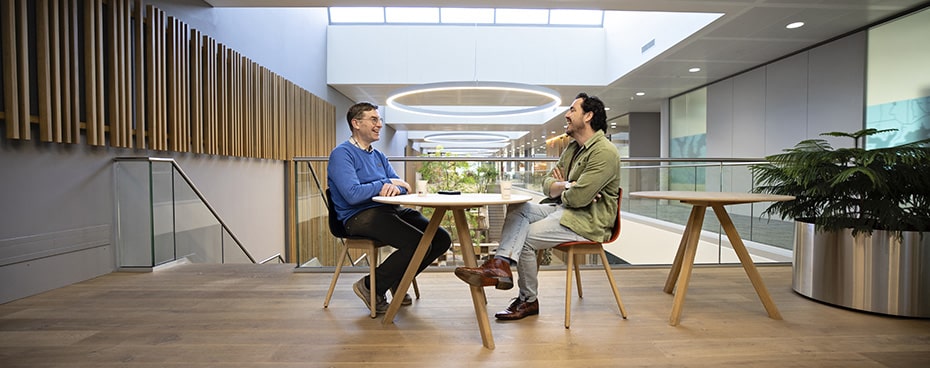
{"points": [[862, 221]]}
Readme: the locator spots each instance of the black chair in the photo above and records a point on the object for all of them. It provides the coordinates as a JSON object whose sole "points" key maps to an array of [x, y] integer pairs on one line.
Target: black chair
{"points": [[370, 246]]}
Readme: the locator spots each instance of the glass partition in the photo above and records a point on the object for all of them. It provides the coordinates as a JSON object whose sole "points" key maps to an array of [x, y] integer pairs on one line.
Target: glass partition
{"points": [[651, 228], [162, 217]]}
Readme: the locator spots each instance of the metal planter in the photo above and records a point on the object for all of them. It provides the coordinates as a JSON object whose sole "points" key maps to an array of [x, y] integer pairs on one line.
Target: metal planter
{"points": [[879, 273]]}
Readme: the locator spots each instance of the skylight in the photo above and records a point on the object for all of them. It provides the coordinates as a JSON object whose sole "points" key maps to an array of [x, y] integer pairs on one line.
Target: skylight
{"points": [[490, 16]]}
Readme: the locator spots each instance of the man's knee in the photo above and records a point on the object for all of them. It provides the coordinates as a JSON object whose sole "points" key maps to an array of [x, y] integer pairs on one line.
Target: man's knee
{"points": [[442, 241]]}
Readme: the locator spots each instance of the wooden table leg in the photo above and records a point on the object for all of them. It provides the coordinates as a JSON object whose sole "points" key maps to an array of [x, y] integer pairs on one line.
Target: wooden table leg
{"points": [[695, 223], [414, 263], [746, 260], [676, 265], [477, 293]]}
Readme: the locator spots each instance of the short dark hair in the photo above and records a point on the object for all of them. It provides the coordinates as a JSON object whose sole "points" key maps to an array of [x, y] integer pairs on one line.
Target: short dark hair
{"points": [[356, 111], [595, 105]]}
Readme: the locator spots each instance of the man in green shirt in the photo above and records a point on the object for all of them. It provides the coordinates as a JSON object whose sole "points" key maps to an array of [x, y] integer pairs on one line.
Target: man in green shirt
{"points": [[585, 182]]}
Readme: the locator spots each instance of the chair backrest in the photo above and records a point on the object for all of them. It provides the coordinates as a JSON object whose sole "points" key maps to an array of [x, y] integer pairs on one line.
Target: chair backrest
{"points": [[335, 226], [616, 232]]}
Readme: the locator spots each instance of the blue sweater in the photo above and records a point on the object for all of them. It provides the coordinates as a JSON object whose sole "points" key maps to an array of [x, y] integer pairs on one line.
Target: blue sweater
{"points": [[355, 176]]}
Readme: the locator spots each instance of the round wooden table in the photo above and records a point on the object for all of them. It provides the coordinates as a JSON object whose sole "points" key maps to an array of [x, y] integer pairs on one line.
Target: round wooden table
{"points": [[458, 203]]}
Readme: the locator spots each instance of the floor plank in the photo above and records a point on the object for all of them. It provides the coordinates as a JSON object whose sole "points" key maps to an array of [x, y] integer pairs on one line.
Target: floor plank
{"points": [[269, 316]]}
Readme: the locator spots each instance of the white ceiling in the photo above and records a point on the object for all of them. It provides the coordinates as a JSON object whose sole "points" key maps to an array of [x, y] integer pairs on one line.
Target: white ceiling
{"points": [[751, 33]]}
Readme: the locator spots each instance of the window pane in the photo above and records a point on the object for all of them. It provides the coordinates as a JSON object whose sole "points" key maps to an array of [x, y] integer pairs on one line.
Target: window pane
{"points": [[522, 16], [412, 15], [467, 15], [576, 17], [898, 96], [356, 15]]}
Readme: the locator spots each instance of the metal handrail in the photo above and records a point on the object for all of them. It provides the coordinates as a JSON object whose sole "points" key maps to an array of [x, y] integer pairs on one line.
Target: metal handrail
{"points": [[278, 256]]}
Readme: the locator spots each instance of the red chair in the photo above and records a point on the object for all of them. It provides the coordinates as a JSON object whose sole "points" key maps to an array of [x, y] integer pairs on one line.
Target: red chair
{"points": [[575, 250]]}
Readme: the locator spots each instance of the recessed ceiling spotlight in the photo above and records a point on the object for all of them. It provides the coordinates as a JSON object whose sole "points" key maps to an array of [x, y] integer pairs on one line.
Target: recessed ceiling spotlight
{"points": [[606, 109], [694, 70], [795, 25], [640, 93]]}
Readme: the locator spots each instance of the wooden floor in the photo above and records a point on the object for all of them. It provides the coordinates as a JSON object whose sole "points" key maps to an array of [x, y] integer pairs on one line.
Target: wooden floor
{"points": [[270, 316]]}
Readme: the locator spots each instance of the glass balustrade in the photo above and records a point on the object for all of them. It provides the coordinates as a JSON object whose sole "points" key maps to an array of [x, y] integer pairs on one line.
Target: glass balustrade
{"points": [[161, 218]]}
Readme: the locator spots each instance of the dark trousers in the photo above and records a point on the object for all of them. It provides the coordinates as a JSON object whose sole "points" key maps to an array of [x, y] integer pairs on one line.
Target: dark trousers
{"points": [[402, 229]]}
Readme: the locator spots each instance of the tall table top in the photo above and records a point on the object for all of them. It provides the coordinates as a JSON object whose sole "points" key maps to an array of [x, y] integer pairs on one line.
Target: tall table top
{"points": [[696, 197], [463, 200]]}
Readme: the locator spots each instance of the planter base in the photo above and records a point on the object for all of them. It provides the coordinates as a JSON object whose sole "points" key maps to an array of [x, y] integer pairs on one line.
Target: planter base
{"points": [[879, 273]]}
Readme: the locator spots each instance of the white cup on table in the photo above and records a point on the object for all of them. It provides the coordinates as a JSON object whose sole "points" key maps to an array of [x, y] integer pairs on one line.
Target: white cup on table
{"points": [[421, 188], [506, 186]]}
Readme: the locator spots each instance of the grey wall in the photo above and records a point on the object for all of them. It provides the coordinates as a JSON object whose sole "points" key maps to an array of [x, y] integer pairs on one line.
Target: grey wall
{"points": [[57, 218], [770, 108], [645, 133]]}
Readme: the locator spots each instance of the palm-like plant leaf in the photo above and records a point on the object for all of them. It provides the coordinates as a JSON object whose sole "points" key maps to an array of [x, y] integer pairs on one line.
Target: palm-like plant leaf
{"points": [[884, 188]]}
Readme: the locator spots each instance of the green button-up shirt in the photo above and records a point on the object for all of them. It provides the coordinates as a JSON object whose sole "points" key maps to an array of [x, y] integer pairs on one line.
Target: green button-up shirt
{"points": [[595, 170]]}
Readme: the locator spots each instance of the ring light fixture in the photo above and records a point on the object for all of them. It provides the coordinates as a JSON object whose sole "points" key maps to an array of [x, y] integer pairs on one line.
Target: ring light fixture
{"points": [[552, 95], [466, 138]]}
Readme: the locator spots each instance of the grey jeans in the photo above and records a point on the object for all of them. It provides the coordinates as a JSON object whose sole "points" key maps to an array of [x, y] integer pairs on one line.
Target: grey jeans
{"points": [[529, 227]]}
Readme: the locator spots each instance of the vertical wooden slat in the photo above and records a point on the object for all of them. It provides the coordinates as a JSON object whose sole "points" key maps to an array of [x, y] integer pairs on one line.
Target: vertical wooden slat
{"points": [[235, 106], [288, 113], [69, 73], [249, 113], [17, 121], [93, 63], [43, 58], [161, 80], [280, 143], [111, 46], [139, 77], [171, 77], [151, 101], [186, 83], [125, 96], [55, 77], [222, 119], [209, 82], [231, 104], [267, 110], [196, 91]]}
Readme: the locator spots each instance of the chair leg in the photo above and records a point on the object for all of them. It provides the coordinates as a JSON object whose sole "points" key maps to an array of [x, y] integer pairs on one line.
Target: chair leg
{"points": [[416, 288], [568, 285], [578, 273], [372, 263], [332, 284], [613, 284]]}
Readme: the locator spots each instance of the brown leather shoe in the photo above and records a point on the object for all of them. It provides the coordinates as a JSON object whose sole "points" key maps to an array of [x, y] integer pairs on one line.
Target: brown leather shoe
{"points": [[494, 272], [519, 309]]}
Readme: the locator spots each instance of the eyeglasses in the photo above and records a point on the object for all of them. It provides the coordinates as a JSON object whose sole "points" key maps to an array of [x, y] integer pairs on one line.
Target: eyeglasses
{"points": [[374, 120]]}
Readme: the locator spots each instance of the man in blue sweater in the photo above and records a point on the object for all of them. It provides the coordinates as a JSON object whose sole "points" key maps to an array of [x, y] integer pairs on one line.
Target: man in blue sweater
{"points": [[357, 172]]}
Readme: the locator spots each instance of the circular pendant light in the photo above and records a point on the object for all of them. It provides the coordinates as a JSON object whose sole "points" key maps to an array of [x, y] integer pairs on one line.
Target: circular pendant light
{"points": [[549, 94]]}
